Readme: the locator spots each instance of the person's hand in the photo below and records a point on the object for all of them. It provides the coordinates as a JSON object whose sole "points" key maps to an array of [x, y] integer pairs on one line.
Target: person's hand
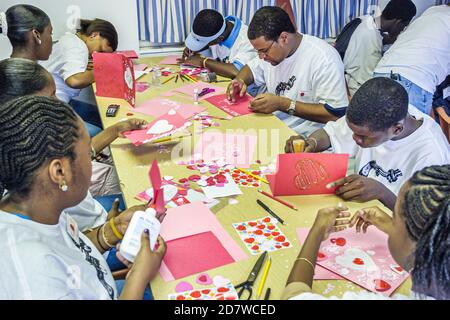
{"points": [[331, 220], [310, 144], [129, 125], [236, 89], [147, 262], [358, 188], [186, 54], [123, 219], [372, 216], [265, 103], [195, 60], [115, 211]]}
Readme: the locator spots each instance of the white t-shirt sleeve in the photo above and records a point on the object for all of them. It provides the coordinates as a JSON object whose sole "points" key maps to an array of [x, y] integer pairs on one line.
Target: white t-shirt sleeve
{"points": [[257, 69], [74, 58], [340, 136]]}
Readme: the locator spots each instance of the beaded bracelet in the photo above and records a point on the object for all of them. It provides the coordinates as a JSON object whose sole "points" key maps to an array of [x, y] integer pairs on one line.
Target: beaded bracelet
{"points": [[98, 240]]}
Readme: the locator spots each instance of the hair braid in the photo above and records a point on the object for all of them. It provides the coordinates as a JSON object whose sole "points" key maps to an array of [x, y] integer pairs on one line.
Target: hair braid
{"points": [[427, 214], [33, 130]]}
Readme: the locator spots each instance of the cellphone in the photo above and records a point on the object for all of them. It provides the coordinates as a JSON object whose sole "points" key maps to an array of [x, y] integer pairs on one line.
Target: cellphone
{"points": [[112, 110]]}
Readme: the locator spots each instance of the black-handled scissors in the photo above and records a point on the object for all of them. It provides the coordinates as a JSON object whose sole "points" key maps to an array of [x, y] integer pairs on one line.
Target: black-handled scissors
{"points": [[248, 284]]}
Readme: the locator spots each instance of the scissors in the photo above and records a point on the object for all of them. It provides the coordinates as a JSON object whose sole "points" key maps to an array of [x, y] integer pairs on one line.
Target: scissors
{"points": [[248, 284]]}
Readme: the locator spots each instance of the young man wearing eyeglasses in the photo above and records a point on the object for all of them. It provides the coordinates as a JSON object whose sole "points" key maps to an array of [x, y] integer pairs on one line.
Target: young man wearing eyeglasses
{"points": [[304, 75]]}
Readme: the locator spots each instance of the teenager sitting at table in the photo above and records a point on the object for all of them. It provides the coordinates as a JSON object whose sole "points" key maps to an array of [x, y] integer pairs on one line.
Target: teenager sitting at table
{"points": [[389, 142], [304, 75], [419, 238], [45, 165]]}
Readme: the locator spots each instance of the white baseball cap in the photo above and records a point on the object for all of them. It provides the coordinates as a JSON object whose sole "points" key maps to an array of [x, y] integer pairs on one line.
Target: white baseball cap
{"points": [[195, 43]]}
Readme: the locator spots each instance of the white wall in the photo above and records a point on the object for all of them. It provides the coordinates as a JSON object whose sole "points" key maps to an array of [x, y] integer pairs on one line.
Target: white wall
{"points": [[121, 13], [421, 5]]}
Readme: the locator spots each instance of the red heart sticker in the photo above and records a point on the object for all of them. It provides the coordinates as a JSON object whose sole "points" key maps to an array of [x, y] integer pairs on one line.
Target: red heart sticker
{"points": [[241, 228], [286, 244], [252, 224], [275, 234], [181, 298], [280, 239], [381, 285], [271, 227], [222, 289], [258, 232], [358, 261], [261, 226], [266, 220], [196, 294], [267, 234], [249, 240], [255, 248], [341, 242], [206, 291]]}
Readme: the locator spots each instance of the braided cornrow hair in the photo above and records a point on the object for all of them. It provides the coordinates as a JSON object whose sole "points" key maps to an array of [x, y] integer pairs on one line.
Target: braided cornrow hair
{"points": [[427, 214], [33, 130]]}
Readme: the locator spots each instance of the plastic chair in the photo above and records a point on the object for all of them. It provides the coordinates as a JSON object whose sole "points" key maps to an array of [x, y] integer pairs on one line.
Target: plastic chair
{"points": [[444, 120]]}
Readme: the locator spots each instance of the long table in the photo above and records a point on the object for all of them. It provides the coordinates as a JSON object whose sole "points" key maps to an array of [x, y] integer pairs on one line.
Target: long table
{"points": [[132, 164]]}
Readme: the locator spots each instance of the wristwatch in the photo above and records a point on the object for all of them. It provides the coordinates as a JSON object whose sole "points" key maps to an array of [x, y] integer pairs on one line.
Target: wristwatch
{"points": [[291, 110]]}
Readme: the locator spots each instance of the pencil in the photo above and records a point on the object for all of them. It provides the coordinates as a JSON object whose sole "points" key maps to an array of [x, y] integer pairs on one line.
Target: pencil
{"points": [[253, 175], [170, 138], [176, 79], [278, 200], [264, 277], [187, 78], [168, 80], [270, 211], [190, 77], [267, 294]]}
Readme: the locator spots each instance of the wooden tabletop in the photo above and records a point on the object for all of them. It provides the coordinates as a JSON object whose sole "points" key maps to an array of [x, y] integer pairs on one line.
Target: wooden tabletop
{"points": [[133, 163]]}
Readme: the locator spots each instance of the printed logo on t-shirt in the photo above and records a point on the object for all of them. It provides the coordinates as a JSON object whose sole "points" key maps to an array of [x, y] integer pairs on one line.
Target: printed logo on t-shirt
{"points": [[84, 248], [391, 175], [283, 86]]}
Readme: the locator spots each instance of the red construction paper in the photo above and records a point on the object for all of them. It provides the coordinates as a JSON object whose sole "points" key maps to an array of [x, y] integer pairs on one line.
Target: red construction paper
{"points": [[307, 173], [168, 124], [114, 76], [193, 254], [239, 108]]}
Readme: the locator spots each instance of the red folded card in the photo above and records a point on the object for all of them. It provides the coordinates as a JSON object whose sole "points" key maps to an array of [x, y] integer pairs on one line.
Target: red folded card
{"points": [[128, 53], [307, 173], [236, 109], [193, 254], [114, 76]]}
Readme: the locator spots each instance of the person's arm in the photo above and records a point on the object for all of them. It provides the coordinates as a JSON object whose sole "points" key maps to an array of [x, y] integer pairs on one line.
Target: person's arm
{"points": [[238, 86], [107, 136], [327, 221], [227, 70], [318, 141], [310, 111], [81, 80]]}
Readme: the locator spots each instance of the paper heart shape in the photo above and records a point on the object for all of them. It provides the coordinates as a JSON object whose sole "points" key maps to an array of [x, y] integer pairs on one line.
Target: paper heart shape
{"points": [[321, 256], [161, 126], [183, 287], [397, 269], [339, 241], [381, 285], [356, 259], [220, 281], [204, 279], [172, 112]]}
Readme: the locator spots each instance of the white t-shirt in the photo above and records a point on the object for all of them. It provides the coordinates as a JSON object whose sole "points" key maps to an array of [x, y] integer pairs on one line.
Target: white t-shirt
{"points": [[314, 73], [393, 162], [43, 262], [70, 56], [363, 53], [88, 214], [422, 52], [237, 49]]}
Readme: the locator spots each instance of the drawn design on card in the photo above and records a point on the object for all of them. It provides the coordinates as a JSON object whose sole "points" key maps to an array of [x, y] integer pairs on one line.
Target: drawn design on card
{"points": [[128, 77], [311, 172], [160, 127], [356, 259]]}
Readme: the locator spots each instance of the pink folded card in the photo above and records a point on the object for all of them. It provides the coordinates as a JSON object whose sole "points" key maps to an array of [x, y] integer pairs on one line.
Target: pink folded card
{"points": [[235, 109], [158, 107], [192, 254], [170, 60], [189, 89], [192, 219], [161, 127], [307, 173], [363, 259]]}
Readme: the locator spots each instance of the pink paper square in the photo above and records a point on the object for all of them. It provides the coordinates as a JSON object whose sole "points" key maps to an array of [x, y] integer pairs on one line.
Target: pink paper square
{"points": [[320, 273], [189, 89], [192, 254], [239, 108], [363, 259], [140, 67], [158, 107], [170, 60]]}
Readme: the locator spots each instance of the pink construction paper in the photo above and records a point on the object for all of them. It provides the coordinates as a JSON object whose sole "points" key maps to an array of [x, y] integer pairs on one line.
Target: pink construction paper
{"points": [[170, 60], [140, 67], [158, 107], [307, 173], [236, 149], [171, 123], [189, 89], [191, 219], [192, 254], [363, 259], [320, 273], [142, 86], [239, 108]]}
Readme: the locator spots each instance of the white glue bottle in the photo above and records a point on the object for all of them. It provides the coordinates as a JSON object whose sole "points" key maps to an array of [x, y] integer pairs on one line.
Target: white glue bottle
{"points": [[131, 242], [195, 96]]}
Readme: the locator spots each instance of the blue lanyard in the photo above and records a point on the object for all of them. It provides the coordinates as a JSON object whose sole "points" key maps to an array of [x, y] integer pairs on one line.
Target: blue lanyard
{"points": [[21, 216]]}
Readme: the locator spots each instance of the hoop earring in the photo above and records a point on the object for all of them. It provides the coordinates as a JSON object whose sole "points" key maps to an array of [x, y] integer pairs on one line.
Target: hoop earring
{"points": [[63, 186]]}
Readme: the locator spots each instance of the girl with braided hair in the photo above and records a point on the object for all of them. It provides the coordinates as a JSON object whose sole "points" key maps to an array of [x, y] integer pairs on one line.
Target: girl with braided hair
{"points": [[419, 238], [45, 165]]}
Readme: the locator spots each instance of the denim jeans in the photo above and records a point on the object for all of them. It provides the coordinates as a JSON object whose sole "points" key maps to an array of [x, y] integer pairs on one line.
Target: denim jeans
{"points": [[418, 97], [89, 114]]}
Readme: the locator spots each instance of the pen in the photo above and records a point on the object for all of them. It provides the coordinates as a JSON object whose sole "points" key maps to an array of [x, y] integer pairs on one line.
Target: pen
{"points": [[266, 297], [270, 211]]}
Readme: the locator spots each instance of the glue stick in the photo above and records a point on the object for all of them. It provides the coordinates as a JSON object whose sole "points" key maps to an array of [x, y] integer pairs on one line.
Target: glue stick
{"points": [[196, 96]]}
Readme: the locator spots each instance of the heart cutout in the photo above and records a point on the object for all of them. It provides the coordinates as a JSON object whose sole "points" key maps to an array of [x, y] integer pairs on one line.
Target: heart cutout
{"points": [[381, 285], [161, 126], [183, 287], [204, 279], [356, 259]]}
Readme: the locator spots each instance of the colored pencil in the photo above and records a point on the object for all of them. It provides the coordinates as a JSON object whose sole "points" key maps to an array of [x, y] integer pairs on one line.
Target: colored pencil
{"points": [[253, 175], [168, 80], [278, 200], [264, 278]]}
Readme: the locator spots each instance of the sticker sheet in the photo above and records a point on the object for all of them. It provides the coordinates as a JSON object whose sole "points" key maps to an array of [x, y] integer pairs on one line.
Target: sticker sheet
{"points": [[227, 292], [262, 235]]}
